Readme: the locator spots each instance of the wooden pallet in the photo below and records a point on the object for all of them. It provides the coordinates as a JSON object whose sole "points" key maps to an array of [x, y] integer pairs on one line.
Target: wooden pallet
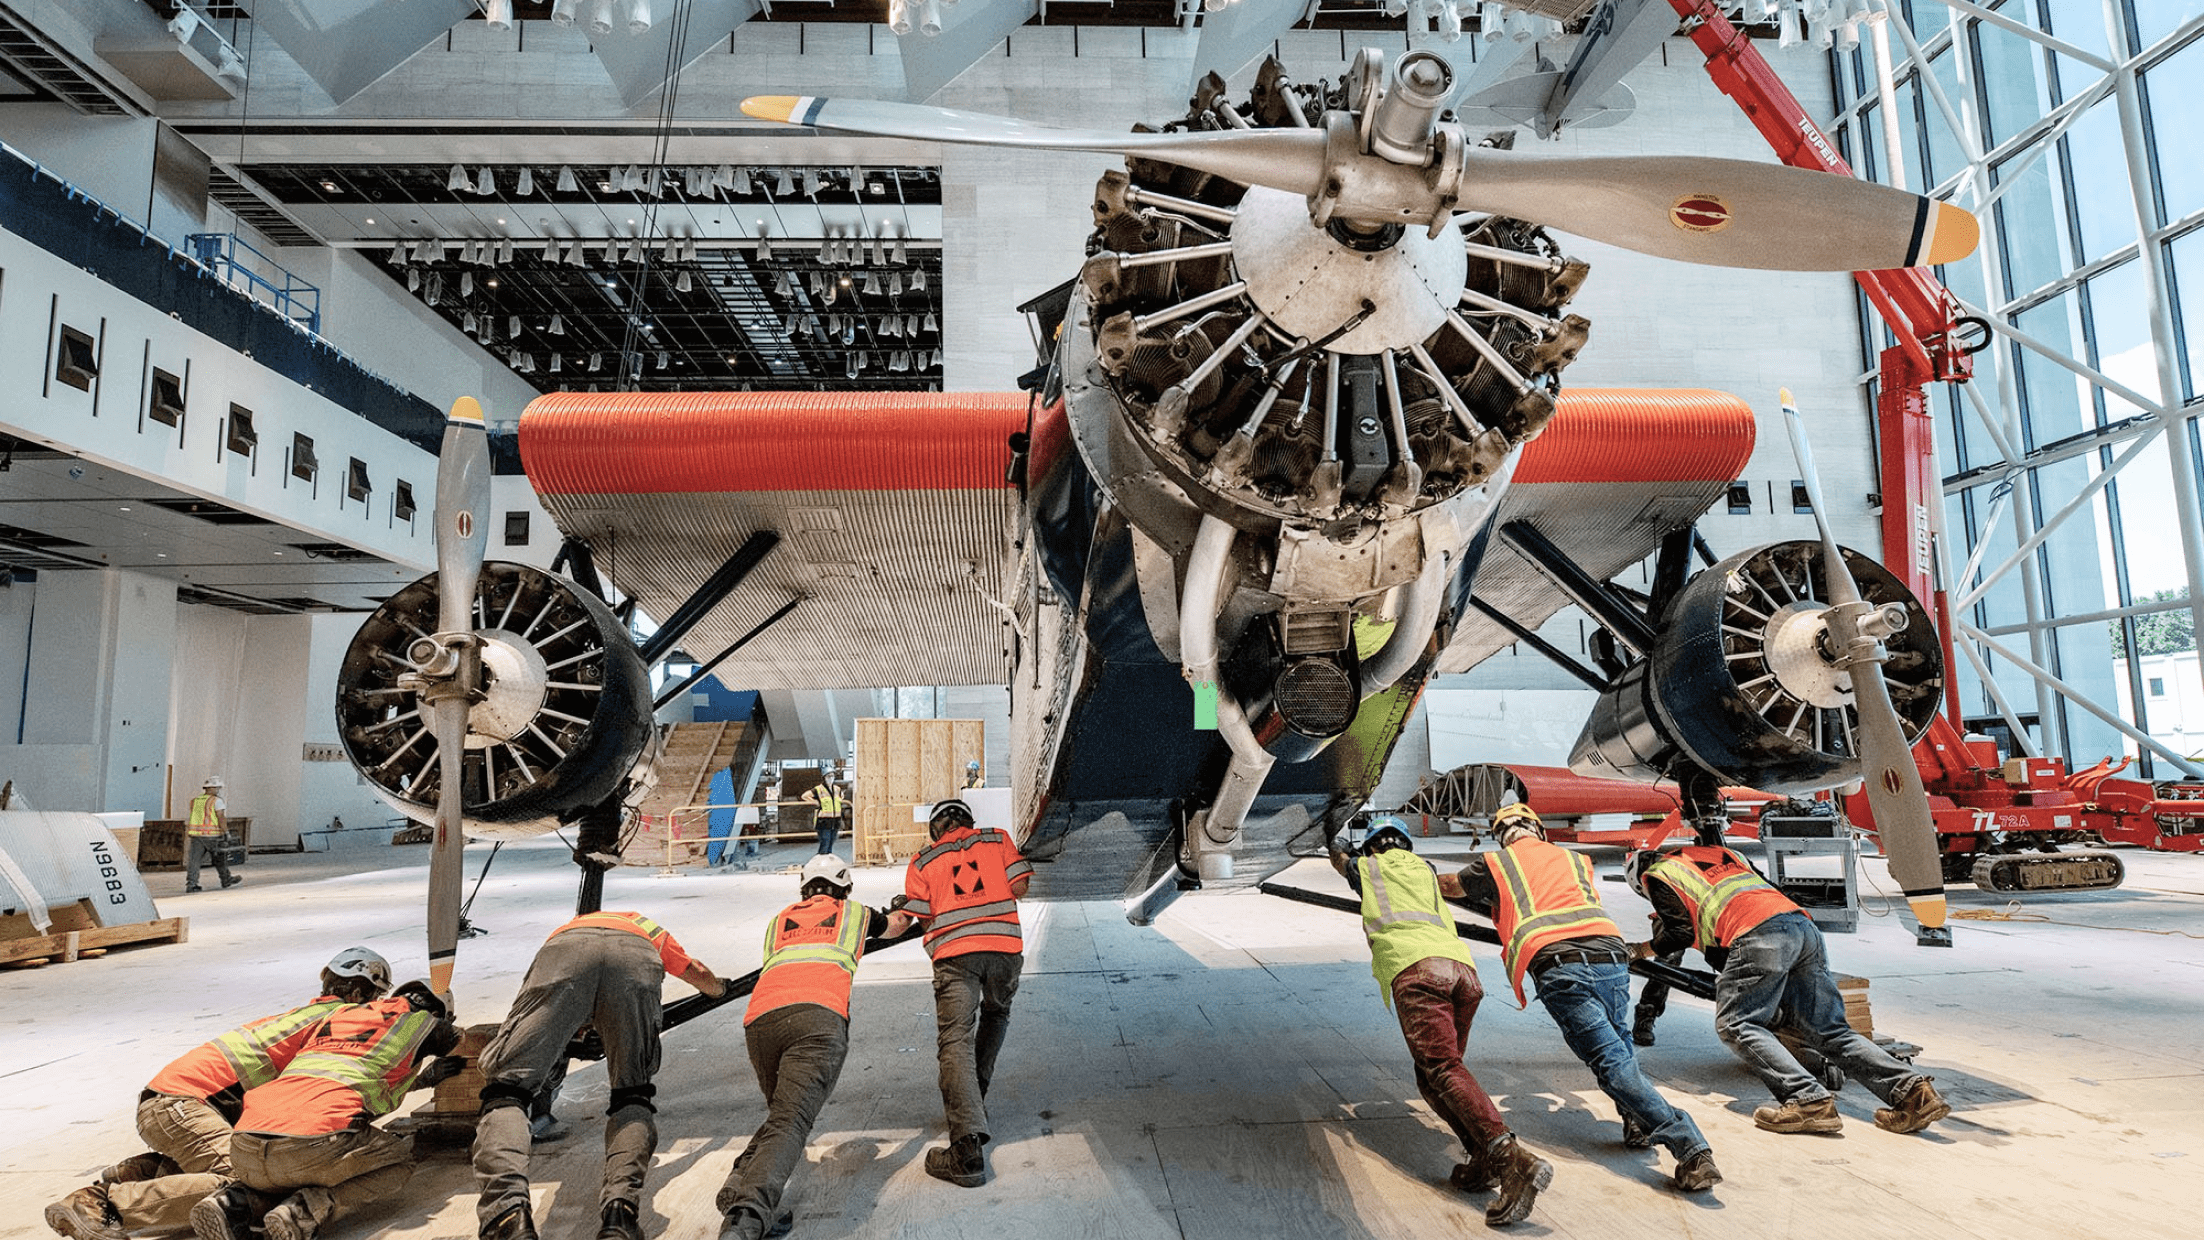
{"points": [[93, 941]]}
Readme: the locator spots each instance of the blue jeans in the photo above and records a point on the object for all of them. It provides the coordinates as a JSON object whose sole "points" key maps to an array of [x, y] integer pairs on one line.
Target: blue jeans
{"points": [[1591, 1003], [1781, 964]]}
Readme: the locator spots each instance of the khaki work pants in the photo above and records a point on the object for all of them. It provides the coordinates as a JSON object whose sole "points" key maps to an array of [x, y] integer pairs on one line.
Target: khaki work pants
{"points": [[194, 1135], [327, 1177]]}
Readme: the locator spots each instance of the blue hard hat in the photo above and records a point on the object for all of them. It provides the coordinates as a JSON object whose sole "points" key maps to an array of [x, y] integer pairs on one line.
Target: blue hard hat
{"points": [[1381, 823]]}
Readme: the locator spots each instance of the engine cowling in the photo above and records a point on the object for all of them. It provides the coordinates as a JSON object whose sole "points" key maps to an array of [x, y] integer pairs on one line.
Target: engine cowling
{"points": [[1740, 682], [564, 713]]}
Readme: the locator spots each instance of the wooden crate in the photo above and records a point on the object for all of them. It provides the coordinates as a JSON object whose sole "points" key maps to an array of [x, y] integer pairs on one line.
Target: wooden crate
{"points": [[903, 763], [161, 842], [73, 936]]}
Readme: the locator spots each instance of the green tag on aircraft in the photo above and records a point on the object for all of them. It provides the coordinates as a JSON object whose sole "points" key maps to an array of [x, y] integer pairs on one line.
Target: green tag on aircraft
{"points": [[1205, 705]]}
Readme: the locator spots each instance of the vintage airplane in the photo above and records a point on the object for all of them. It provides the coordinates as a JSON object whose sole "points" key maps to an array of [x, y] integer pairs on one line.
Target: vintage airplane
{"points": [[1297, 444]]}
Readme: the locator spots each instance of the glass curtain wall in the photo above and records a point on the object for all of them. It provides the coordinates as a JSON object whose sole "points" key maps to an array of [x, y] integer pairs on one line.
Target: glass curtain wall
{"points": [[2075, 128]]}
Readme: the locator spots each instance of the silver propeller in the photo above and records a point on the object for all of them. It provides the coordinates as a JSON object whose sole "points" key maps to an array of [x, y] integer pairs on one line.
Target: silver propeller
{"points": [[1855, 644], [449, 662], [1723, 212]]}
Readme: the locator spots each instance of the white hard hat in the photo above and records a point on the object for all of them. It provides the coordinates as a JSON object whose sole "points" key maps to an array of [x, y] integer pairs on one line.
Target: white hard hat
{"points": [[212, 781], [829, 867], [361, 962]]}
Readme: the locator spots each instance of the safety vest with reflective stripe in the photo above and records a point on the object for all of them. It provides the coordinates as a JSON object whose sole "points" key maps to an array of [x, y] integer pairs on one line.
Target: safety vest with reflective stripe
{"points": [[201, 820], [248, 1056], [370, 1047], [1404, 917], [830, 805], [1546, 896], [960, 886], [811, 954], [1722, 893]]}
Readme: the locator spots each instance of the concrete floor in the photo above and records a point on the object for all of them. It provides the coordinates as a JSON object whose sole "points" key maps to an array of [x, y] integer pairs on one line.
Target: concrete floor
{"points": [[1227, 1073]]}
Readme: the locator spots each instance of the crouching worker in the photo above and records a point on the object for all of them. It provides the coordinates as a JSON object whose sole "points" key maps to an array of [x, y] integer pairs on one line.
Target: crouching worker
{"points": [[1772, 970], [185, 1114], [797, 1029], [308, 1136], [1430, 982], [604, 970]]}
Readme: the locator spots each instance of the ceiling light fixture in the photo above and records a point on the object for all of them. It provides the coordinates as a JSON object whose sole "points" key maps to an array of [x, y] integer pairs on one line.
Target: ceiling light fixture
{"points": [[681, 283], [742, 181], [639, 20], [457, 180], [486, 184], [562, 11], [497, 14], [599, 21], [786, 186], [566, 182], [371, 221], [557, 326], [526, 184]]}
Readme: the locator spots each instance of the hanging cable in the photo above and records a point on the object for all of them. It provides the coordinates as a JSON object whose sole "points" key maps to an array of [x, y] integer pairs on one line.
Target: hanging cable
{"points": [[639, 302]]}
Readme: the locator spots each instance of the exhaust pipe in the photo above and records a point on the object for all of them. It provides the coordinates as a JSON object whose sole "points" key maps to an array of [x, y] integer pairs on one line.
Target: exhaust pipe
{"points": [[1219, 825]]}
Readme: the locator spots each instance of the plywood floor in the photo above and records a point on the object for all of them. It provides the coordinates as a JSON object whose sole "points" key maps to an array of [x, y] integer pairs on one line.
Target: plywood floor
{"points": [[1228, 1073]]}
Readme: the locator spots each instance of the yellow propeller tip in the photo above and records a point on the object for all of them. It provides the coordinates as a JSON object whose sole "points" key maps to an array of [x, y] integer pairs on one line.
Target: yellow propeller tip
{"points": [[466, 409], [1783, 397], [1928, 910], [771, 107], [1957, 232]]}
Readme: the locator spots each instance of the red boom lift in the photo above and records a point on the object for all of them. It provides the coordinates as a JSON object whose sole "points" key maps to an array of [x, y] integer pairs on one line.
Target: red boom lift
{"points": [[2000, 823]]}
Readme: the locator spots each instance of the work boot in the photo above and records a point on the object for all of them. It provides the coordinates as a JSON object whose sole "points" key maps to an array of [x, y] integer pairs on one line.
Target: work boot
{"points": [[746, 1224], [1918, 1107], [1522, 1176], [1641, 1029], [618, 1222], [515, 1224], [193, 890], [232, 881], [86, 1214], [1479, 1175], [146, 1166], [1698, 1173], [960, 1162], [291, 1220], [227, 1215], [1635, 1135], [1819, 1115]]}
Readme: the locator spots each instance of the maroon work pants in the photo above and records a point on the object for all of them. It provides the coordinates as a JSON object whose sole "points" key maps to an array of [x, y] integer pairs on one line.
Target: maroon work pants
{"points": [[1436, 998]]}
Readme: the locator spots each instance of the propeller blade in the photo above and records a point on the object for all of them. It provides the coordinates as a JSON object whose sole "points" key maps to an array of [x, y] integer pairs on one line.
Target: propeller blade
{"points": [[462, 538], [1287, 159], [1723, 212], [1893, 782]]}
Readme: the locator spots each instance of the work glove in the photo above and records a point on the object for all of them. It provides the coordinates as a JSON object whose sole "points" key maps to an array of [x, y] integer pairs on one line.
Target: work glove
{"points": [[440, 1069], [896, 905]]}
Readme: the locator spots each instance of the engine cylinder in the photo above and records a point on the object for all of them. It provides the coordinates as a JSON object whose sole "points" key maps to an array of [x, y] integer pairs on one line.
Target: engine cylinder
{"points": [[563, 711]]}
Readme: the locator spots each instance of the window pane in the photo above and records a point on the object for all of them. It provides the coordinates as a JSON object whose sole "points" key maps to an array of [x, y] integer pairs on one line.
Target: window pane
{"points": [[2013, 80], [2157, 18], [2174, 88], [2081, 23], [1945, 157], [2185, 256], [2031, 227], [2098, 164], [1909, 135], [1870, 127], [1927, 17], [2119, 312]]}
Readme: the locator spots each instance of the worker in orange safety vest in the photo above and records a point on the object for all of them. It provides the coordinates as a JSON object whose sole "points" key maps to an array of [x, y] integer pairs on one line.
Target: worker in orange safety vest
{"points": [[605, 970], [1553, 928], [797, 1032], [308, 1136], [185, 1114], [964, 888], [1773, 969]]}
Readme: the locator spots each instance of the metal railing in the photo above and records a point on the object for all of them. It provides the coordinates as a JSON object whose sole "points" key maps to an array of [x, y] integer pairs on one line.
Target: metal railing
{"points": [[280, 291]]}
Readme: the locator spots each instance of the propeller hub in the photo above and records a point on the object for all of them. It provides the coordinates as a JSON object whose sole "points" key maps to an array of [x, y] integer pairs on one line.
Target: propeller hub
{"points": [[515, 684], [1309, 282], [1795, 653]]}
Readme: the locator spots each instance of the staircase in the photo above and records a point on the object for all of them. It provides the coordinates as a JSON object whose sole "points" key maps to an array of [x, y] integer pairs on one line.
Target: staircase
{"points": [[693, 753]]}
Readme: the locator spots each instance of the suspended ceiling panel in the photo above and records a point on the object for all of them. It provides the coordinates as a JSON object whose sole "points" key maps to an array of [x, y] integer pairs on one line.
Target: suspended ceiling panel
{"points": [[345, 45], [639, 63], [968, 31]]}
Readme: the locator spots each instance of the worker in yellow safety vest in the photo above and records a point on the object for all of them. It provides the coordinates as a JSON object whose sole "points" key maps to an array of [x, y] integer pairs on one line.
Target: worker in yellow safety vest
{"points": [[1772, 969], [832, 814], [797, 1031], [1553, 928], [1427, 977], [207, 836], [186, 1110]]}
